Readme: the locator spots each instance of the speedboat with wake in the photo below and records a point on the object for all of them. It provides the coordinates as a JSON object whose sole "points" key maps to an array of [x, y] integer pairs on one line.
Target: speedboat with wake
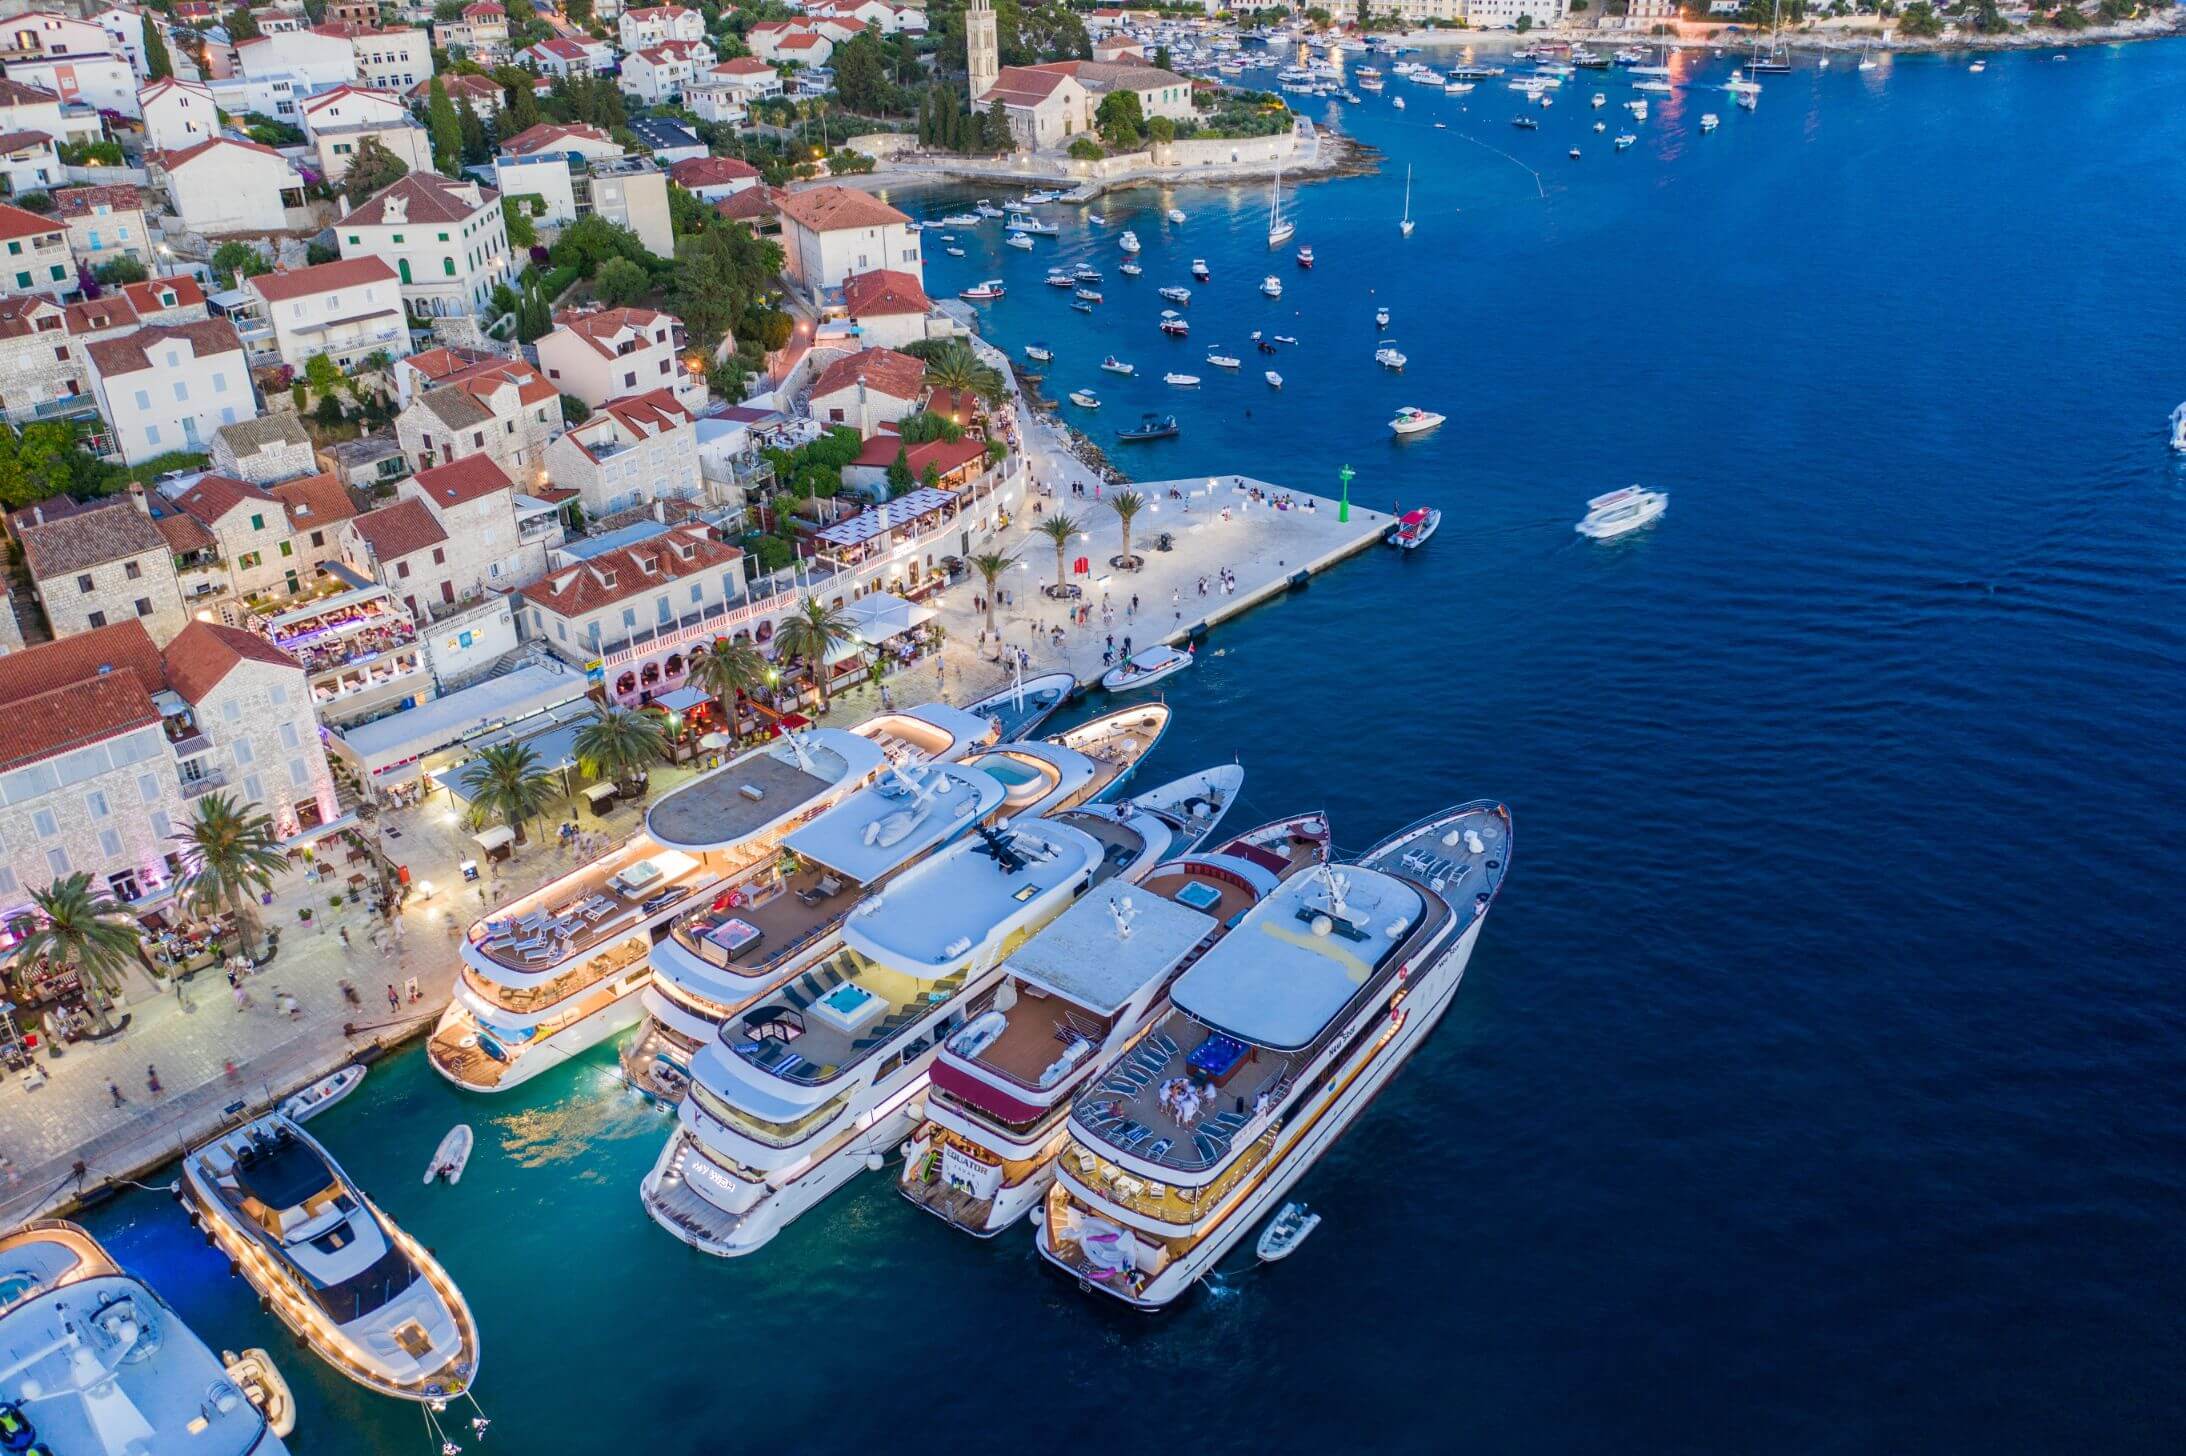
{"points": [[1620, 511]]}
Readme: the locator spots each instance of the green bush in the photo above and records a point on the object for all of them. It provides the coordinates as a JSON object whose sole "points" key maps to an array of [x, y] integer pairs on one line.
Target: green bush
{"points": [[1085, 149]]}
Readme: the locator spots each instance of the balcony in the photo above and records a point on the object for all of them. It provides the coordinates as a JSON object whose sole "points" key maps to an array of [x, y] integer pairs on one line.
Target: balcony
{"points": [[204, 784], [190, 745]]}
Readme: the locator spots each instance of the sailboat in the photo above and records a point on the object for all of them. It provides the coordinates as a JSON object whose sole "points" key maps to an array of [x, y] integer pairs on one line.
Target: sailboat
{"points": [[1775, 58], [1280, 227], [1404, 228]]}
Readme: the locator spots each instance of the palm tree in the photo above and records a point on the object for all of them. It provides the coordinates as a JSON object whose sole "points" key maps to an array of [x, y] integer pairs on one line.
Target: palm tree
{"points": [[1059, 528], [956, 368], [730, 671], [1126, 504], [88, 927], [618, 743], [990, 565], [505, 782], [810, 633], [229, 856]]}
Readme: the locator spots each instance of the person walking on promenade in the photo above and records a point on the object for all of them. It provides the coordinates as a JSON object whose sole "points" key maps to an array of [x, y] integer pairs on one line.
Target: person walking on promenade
{"points": [[242, 998], [394, 1002], [113, 1090], [345, 937], [349, 993], [151, 1079]]}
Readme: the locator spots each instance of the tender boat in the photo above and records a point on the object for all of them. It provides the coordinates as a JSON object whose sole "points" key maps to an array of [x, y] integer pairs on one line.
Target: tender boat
{"points": [[1129, 242], [1625, 139], [1389, 356], [1174, 325], [263, 1386], [2178, 428], [1199, 269], [1146, 668], [1413, 528], [322, 1094], [1018, 240], [1085, 399], [1275, 381], [1285, 1232], [1620, 511], [1412, 420], [452, 1156], [1176, 215], [1039, 353], [1272, 286], [1305, 257], [1381, 318], [1709, 121], [1131, 270], [362, 1294], [1225, 361], [1175, 294], [991, 288], [1116, 366], [1181, 381], [1150, 427], [1079, 305], [1087, 295], [98, 1364], [1024, 705]]}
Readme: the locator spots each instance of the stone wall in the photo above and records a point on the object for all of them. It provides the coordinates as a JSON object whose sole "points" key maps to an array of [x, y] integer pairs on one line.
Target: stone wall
{"points": [[881, 145]]}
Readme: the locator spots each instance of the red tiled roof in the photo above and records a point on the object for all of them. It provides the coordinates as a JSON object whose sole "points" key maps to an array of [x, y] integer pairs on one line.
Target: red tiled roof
{"points": [[1023, 85], [826, 209], [145, 296], [15, 141], [441, 363], [943, 455], [19, 314], [753, 204], [123, 647], [79, 201], [17, 222], [884, 291], [401, 529], [314, 502], [562, 46], [798, 42], [204, 652], [184, 533], [20, 93], [743, 66], [101, 315], [598, 327], [327, 98], [176, 160], [884, 370], [430, 198], [650, 413], [126, 355], [466, 480], [321, 278], [547, 136], [215, 495], [614, 575], [697, 172], [675, 50]]}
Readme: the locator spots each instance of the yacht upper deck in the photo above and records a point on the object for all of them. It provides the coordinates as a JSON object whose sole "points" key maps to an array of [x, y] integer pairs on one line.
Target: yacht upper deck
{"points": [[968, 901], [601, 902], [762, 790]]}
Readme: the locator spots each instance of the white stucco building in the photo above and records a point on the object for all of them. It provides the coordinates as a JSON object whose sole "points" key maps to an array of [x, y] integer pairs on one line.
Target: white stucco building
{"points": [[831, 232], [447, 241], [169, 386], [347, 310], [641, 448]]}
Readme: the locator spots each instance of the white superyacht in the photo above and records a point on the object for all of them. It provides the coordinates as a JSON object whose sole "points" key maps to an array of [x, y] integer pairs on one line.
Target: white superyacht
{"points": [[1277, 1038]]}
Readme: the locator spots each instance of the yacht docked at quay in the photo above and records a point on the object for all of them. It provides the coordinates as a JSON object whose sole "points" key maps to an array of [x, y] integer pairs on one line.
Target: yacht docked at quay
{"points": [[554, 973], [798, 1094], [1071, 1000], [96, 1364], [758, 930], [1275, 1040]]}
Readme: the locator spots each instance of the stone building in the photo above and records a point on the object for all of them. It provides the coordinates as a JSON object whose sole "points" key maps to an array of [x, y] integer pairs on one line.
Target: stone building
{"points": [[94, 566]]}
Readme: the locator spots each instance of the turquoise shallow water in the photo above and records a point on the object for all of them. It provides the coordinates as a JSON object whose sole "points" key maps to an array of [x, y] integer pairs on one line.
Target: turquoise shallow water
{"points": [[1816, 1084]]}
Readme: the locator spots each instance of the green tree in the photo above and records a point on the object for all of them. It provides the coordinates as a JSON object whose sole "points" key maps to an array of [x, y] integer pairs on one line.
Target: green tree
{"points": [[476, 148], [720, 283], [1060, 528], [1161, 56], [618, 744], [731, 672], [372, 170], [128, 268], [89, 927], [900, 479], [990, 565], [578, 12], [229, 857], [1920, 21], [994, 132], [519, 102], [505, 782], [813, 631], [1127, 504], [620, 282], [445, 127], [516, 212], [325, 377], [591, 240], [239, 25], [157, 63], [1085, 149], [234, 261], [1525, 23], [953, 366], [861, 75]]}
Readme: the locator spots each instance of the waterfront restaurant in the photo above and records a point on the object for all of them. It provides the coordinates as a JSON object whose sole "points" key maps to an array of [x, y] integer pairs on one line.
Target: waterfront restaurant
{"points": [[892, 531], [359, 649]]}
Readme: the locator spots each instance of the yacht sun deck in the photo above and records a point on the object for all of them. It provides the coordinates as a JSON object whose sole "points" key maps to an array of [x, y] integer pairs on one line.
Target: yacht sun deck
{"points": [[602, 902], [763, 789], [931, 730]]}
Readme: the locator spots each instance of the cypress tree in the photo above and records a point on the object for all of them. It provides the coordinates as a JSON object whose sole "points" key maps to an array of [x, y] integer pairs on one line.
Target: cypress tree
{"points": [[445, 127]]}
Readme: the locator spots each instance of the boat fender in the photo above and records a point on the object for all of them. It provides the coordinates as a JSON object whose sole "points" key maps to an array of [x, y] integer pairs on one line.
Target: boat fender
{"points": [[1299, 579], [874, 1162]]}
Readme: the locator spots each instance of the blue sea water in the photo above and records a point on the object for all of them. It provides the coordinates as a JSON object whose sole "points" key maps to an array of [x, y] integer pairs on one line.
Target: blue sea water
{"points": [[1817, 1084]]}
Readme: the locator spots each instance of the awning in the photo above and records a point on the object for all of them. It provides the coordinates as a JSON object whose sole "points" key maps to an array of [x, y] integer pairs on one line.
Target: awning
{"points": [[880, 616], [597, 792], [494, 838], [681, 700]]}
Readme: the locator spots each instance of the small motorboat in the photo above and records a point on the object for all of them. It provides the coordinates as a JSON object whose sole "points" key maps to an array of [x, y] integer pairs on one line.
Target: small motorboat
{"points": [[1411, 420], [1116, 366], [1381, 318], [961, 219], [1601, 99], [1286, 340], [255, 1374], [1097, 219], [1176, 215], [1413, 528], [322, 1094], [1709, 121], [451, 1156], [1040, 353], [1275, 380], [1087, 295], [1131, 270], [986, 209], [1397, 102], [2178, 428], [1129, 242], [1525, 123], [1057, 278], [1225, 361], [1305, 256], [1272, 286], [1086, 273], [1601, 126], [1081, 306], [1389, 356], [953, 251], [1145, 669], [1173, 325], [1023, 706], [1085, 399], [1018, 240], [1199, 269], [1574, 154], [1978, 67], [1620, 511], [1150, 427], [1181, 381], [991, 288], [1625, 139], [1286, 1231], [1175, 294]]}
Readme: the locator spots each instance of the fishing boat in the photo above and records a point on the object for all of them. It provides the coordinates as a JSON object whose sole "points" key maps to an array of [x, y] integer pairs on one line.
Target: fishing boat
{"points": [[1389, 356], [1129, 242], [1225, 361], [1625, 139], [1181, 381], [1275, 381], [1040, 353], [1145, 668], [1381, 318], [1175, 294], [1116, 366], [322, 1094], [1620, 511], [451, 1157], [991, 288], [1413, 528], [1272, 286], [1411, 420], [1280, 227], [99, 1365], [359, 1292], [1173, 325], [1149, 427], [1018, 240], [1021, 707], [1087, 295], [1176, 215], [1305, 257], [1709, 121], [1199, 270], [1085, 399]]}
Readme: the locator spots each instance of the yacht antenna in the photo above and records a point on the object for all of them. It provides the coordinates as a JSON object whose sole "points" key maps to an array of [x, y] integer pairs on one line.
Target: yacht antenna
{"points": [[1122, 911], [797, 749]]}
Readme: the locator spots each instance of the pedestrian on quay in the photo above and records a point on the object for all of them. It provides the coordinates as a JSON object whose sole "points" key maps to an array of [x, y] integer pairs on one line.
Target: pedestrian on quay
{"points": [[242, 999], [113, 1090], [182, 995], [349, 993], [151, 1079], [394, 1002], [228, 1069], [345, 937]]}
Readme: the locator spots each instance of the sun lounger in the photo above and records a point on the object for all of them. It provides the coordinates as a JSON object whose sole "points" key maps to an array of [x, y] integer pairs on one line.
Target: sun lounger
{"points": [[1207, 1148], [1159, 1147]]}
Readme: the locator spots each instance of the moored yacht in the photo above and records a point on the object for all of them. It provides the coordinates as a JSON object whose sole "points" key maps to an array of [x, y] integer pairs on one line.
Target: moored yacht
{"points": [[793, 1096], [554, 973], [98, 1365], [1275, 1040], [359, 1292], [1620, 511], [1071, 1002]]}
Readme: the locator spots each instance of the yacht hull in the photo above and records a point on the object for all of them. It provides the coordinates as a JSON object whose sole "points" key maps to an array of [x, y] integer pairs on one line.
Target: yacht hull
{"points": [[557, 1049]]}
